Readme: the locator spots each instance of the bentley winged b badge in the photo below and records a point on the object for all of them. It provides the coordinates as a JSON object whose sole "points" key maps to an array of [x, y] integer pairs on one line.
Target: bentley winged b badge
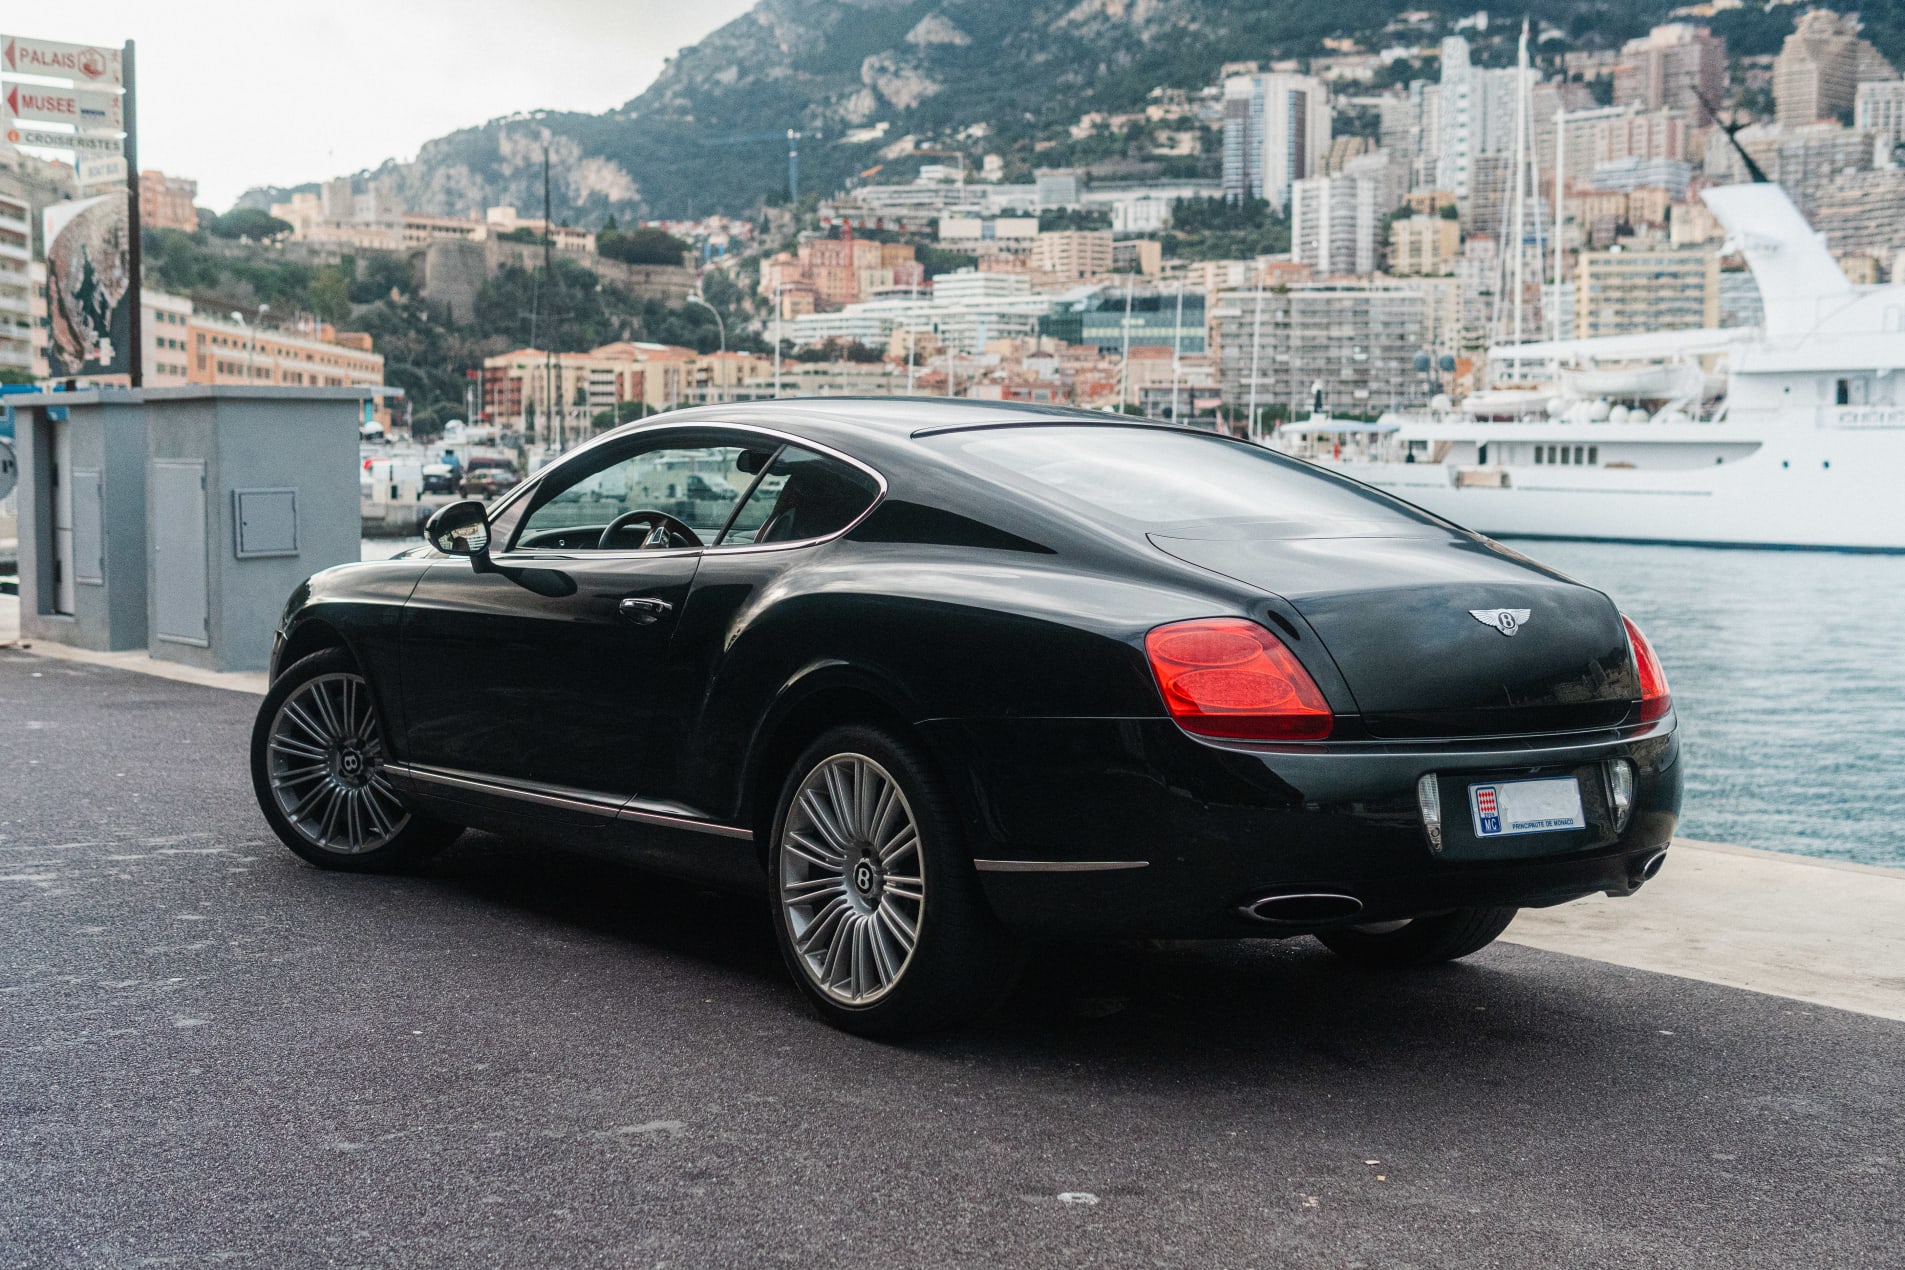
{"points": [[1507, 621]]}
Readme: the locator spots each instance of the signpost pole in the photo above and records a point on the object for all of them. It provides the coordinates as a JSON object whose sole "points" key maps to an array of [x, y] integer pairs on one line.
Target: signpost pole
{"points": [[135, 291]]}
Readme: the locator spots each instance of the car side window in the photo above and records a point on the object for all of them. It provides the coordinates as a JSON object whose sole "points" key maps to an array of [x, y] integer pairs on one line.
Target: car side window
{"points": [[697, 485], [802, 495]]}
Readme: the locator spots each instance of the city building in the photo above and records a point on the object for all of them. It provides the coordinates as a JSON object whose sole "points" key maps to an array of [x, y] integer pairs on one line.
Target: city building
{"points": [[1357, 341], [1740, 303], [1820, 66], [1152, 317], [1062, 257], [559, 395], [167, 202], [1643, 292], [982, 235], [21, 306], [1673, 67], [1476, 116], [1276, 131], [1803, 158], [1635, 172], [1334, 223], [166, 326], [1424, 245], [836, 272], [1863, 212], [1878, 107]]}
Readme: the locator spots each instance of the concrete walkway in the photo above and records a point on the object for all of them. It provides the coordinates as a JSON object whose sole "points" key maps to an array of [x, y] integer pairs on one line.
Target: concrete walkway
{"points": [[1813, 930], [1787, 925], [132, 659]]}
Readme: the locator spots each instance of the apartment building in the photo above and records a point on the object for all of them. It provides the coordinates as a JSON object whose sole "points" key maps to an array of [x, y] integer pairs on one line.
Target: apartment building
{"points": [[1276, 132], [1878, 107], [1673, 67], [1334, 221], [1820, 66], [1358, 341], [1642, 292], [1071, 255], [167, 202], [1424, 245], [20, 302]]}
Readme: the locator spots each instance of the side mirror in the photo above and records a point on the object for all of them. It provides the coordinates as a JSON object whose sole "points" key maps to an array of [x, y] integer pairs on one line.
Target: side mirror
{"points": [[461, 529]]}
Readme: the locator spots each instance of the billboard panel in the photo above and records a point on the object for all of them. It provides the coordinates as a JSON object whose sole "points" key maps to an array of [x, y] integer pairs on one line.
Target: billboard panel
{"points": [[88, 285]]}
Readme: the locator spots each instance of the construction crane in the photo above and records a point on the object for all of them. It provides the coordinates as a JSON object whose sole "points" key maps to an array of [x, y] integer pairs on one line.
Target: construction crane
{"points": [[791, 135]]}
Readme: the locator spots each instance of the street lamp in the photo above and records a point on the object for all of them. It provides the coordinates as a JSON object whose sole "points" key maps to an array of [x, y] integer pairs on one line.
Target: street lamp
{"points": [[694, 297]]}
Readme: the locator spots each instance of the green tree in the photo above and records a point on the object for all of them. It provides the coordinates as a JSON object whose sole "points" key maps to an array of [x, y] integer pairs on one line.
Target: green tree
{"points": [[329, 294], [253, 223], [644, 245]]}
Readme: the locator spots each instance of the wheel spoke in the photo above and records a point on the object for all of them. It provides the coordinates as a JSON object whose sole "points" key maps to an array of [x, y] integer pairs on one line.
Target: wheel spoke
{"points": [[815, 855], [912, 889], [298, 715], [903, 845], [885, 959], [287, 745], [822, 923], [813, 889], [818, 815], [903, 930]]}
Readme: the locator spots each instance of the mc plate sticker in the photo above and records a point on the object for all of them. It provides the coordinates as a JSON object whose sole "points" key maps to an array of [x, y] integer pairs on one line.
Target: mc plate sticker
{"points": [[1513, 807]]}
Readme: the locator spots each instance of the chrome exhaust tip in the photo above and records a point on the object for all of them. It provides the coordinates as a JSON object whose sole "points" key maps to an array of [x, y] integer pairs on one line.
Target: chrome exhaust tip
{"points": [[1650, 866], [1306, 908]]}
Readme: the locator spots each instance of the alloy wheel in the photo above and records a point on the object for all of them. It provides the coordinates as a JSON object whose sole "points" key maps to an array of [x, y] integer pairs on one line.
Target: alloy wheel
{"points": [[325, 761], [852, 885]]}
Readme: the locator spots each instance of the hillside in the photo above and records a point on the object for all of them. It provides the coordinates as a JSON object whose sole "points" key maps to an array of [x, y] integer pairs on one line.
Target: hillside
{"points": [[981, 76]]}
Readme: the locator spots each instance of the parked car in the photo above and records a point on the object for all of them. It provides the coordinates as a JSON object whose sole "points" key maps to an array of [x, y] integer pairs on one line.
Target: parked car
{"points": [[488, 476], [938, 675]]}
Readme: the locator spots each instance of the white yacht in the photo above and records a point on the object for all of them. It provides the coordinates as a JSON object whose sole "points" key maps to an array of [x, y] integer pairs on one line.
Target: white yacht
{"points": [[1789, 434]]}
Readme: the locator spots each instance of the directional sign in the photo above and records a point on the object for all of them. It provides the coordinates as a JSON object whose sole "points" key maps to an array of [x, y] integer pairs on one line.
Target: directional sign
{"points": [[83, 64], [81, 107], [78, 142], [100, 174]]}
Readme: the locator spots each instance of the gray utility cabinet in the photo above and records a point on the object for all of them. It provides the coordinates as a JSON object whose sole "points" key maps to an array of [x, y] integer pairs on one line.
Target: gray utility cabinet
{"points": [[240, 494], [82, 522]]}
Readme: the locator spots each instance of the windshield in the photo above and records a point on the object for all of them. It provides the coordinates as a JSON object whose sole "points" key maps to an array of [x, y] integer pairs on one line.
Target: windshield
{"points": [[1160, 478]]}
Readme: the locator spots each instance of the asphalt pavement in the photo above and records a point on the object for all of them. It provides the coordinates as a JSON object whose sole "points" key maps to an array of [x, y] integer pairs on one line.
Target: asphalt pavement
{"points": [[212, 1054]]}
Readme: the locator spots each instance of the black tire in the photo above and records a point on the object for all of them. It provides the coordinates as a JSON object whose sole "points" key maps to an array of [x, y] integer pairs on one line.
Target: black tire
{"points": [[1423, 941], [293, 768], [961, 961]]}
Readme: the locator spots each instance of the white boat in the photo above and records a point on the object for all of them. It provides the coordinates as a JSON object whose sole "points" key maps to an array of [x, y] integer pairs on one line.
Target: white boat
{"points": [[1789, 434]]}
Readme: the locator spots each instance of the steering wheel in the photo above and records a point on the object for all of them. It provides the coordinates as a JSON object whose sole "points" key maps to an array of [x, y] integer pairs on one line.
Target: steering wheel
{"points": [[663, 530]]}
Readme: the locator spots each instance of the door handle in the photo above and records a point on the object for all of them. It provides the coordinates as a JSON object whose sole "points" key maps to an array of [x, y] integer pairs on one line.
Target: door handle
{"points": [[644, 610]]}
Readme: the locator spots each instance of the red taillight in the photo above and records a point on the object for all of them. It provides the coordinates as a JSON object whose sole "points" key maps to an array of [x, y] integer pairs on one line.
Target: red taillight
{"points": [[1655, 700], [1224, 676]]}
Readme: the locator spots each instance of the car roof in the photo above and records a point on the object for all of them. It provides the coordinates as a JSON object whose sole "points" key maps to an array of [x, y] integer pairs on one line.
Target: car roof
{"points": [[890, 418]]}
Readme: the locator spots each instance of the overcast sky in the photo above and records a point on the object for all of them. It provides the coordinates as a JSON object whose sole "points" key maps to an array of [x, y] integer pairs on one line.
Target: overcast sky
{"points": [[238, 93]]}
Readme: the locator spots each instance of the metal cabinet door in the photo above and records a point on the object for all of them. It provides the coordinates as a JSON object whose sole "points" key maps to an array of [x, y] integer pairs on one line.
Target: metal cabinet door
{"points": [[180, 583]]}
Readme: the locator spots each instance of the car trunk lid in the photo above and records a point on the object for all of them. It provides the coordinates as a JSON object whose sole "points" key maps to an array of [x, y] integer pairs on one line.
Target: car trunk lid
{"points": [[1439, 635]]}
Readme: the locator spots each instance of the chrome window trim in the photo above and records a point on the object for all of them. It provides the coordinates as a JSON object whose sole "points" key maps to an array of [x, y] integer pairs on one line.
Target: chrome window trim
{"points": [[590, 802], [786, 438]]}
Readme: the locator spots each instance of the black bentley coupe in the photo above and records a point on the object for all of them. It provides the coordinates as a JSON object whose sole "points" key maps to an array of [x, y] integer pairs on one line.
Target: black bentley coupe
{"points": [[939, 675]]}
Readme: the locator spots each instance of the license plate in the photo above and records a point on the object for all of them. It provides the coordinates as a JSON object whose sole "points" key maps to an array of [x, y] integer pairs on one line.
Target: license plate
{"points": [[1507, 808]]}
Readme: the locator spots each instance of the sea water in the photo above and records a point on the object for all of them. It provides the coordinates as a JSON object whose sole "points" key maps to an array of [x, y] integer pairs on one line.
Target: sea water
{"points": [[1788, 673]]}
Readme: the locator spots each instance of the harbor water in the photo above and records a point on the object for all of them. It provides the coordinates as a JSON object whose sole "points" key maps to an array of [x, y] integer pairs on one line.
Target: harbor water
{"points": [[1788, 671]]}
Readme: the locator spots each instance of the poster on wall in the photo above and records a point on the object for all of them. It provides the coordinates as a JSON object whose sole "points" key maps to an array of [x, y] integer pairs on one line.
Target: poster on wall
{"points": [[88, 277]]}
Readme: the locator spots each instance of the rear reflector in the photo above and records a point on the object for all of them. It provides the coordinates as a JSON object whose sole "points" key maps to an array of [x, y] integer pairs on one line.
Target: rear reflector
{"points": [[1429, 799], [1655, 700], [1228, 677]]}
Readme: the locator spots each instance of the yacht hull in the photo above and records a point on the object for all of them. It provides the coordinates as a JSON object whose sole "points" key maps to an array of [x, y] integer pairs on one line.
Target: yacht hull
{"points": [[1827, 490]]}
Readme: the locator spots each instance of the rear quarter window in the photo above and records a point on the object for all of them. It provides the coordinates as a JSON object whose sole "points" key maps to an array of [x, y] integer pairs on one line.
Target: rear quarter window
{"points": [[1165, 478]]}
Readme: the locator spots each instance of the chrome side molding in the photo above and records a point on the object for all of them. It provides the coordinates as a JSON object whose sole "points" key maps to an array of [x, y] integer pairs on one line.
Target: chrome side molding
{"points": [[588, 802], [1057, 866]]}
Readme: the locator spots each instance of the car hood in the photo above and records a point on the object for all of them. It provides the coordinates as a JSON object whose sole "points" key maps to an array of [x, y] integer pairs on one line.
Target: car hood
{"points": [[1414, 624]]}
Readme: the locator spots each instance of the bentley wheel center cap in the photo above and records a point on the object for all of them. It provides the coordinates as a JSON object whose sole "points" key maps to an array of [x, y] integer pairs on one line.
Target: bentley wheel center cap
{"points": [[866, 878]]}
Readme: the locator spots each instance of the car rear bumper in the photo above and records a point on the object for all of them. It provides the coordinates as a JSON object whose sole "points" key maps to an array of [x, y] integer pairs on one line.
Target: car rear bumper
{"points": [[1131, 827]]}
